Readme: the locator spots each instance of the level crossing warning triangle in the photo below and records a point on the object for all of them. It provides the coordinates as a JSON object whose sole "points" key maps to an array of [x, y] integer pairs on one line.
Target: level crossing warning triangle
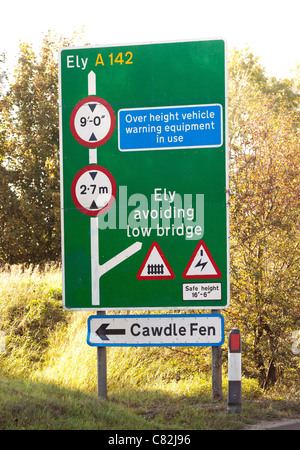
{"points": [[155, 265], [201, 264]]}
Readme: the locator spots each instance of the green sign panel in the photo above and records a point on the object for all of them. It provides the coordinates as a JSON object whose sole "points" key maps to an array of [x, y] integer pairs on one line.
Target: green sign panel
{"points": [[144, 176]]}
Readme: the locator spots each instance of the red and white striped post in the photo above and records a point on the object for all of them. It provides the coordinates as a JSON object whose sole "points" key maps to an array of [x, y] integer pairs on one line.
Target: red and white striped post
{"points": [[234, 402]]}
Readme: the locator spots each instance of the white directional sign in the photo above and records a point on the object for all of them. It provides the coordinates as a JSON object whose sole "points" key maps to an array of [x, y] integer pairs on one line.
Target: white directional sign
{"points": [[156, 330]]}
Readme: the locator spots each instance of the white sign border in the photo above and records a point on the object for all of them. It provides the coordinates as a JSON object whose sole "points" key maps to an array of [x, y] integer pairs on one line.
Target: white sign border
{"points": [[175, 147]]}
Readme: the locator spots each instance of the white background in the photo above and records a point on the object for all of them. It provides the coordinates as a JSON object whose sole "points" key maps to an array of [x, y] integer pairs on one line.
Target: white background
{"points": [[269, 27]]}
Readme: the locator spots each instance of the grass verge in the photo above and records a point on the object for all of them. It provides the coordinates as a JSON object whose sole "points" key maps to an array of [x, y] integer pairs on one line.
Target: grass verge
{"points": [[45, 406], [149, 388], [26, 405]]}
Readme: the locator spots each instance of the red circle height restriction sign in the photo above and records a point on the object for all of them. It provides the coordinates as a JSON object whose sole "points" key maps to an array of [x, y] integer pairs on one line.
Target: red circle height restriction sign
{"points": [[93, 190], [92, 121]]}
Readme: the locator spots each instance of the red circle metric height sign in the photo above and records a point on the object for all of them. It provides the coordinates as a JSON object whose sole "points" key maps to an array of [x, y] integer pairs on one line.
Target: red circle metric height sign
{"points": [[93, 190], [92, 121]]}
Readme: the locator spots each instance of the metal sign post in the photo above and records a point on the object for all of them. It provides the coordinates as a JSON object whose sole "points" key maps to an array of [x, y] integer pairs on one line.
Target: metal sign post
{"points": [[216, 369], [101, 368]]}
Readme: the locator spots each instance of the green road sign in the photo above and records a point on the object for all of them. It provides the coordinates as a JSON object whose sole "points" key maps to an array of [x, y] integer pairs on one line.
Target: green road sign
{"points": [[144, 176]]}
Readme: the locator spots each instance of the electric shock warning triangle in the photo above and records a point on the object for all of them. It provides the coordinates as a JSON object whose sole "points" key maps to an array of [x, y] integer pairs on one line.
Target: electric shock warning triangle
{"points": [[155, 265], [201, 264]]}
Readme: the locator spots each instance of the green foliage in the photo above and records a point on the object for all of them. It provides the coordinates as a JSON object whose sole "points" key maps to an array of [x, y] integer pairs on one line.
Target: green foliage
{"points": [[36, 406], [46, 345], [264, 212], [45, 406], [29, 157], [3, 75], [30, 312]]}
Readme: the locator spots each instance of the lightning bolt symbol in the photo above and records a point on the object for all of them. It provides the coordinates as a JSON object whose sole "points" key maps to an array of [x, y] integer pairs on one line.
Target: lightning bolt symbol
{"points": [[200, 264]]}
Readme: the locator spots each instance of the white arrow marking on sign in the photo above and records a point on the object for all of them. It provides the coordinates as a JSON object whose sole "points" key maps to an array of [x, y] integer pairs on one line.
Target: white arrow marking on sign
{"points": [[125, 254], [95, 260], [92, 91], [92, 83], [98, 270]]}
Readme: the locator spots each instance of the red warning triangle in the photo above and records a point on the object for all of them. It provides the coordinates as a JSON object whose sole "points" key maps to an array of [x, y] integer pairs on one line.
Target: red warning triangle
{"points": [[155, 266], [201, 264]]}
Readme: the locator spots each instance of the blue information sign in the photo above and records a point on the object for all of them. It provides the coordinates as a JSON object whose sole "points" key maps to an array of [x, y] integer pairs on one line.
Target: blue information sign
{"points": [[170, 127]]}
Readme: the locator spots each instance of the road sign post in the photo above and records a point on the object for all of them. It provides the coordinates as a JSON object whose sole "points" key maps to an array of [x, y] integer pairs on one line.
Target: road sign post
{"points": [[144, 176], [216, 369], [101, 368]]}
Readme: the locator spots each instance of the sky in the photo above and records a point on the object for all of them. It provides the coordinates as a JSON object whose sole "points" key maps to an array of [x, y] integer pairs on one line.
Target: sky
{"points": [[270, 28]]}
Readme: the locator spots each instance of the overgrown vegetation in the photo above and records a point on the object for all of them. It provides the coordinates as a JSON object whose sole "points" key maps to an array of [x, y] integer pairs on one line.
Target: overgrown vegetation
{"points": [[42, 406], [44, 342], [148, 388], [264, 217], [29, 312]]}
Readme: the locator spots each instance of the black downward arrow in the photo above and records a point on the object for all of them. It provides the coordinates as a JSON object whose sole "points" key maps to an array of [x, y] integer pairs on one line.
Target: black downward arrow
{"points": [[93, 174], [102, 331], [92, 106]]}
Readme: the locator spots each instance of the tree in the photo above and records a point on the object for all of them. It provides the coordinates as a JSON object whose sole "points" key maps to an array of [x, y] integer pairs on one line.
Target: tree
{"points": [[29, 149], [3, 75], [264, 206]]}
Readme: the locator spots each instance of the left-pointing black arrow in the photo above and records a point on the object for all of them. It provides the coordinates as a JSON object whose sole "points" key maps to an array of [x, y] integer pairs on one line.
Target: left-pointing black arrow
{"points": [[102, 331]]}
